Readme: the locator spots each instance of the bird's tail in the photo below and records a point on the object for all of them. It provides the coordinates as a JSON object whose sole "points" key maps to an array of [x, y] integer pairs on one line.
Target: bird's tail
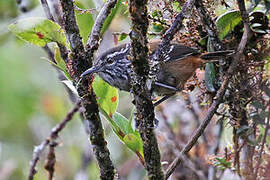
{"points": [[216, 55]]}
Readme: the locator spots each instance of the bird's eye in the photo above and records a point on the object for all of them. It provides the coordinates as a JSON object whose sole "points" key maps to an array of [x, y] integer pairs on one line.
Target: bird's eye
{"points": [[110, 61]]}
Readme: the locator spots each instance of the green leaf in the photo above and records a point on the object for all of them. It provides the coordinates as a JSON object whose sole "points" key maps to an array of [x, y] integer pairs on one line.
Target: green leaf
{"points": [[133, 142], [154, 13], [123, 129], [210, 77], [222, 163], [115, 127], [107, 96], [85, 22], [203, 41], [120, 125], [38, 31], [58, 67], [227, 22], [60, 63], [110, 17], [122, 37], [123, 123], [157, 27], [176, 6], [131, 117]]}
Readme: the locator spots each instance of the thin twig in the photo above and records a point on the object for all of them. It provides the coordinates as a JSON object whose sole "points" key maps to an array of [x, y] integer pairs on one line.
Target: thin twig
{"points": [[51, 160], [174, 146], [196, 118], [125, 33], [170, 132], [214, 150], [84, 11], [178, 146], [236, 161], [219, 96], [53, 135], [209, 25], [247, 170], [158, 20], [193, 140], [46, 9], [262, 146], [175, 27], [94, 38]]}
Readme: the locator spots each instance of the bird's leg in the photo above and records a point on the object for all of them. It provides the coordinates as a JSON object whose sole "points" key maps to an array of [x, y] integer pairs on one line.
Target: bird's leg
{"points": [[166, 86], [164, 98]]}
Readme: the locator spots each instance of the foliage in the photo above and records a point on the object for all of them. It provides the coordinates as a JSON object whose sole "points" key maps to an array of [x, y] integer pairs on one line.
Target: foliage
{"points": [[85, 20], [38, 31], [227, 22]]}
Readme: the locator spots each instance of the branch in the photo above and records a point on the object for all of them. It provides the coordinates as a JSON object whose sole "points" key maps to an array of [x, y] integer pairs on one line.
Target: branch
{"points": [[175, 27], [209, 25], [193, 140], [56, 11], [51, 160], [54, 134], [71, 27], [46, 9], [196, 118], [94, 38], [214, 150], [262, 146], [247, 31], [77, 59], [219, 96], [79, 63], [145, 110]]}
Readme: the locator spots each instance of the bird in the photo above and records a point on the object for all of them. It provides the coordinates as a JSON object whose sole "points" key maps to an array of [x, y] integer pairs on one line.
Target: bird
{"points": [[179, 64]]}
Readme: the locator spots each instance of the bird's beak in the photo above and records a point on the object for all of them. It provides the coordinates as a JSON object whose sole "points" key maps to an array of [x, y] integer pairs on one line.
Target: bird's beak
{"points": [[91, 71]]}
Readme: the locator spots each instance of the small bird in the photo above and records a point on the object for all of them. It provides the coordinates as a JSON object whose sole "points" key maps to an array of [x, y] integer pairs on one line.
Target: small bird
{"points": [[180, 63]]}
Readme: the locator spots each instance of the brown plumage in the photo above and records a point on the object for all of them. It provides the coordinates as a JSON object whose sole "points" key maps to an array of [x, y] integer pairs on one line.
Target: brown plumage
{"points": [[176, 73]]}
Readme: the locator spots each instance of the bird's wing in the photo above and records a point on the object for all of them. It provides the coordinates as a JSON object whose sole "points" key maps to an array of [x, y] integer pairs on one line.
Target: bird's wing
{"points": [[179, 51]]}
